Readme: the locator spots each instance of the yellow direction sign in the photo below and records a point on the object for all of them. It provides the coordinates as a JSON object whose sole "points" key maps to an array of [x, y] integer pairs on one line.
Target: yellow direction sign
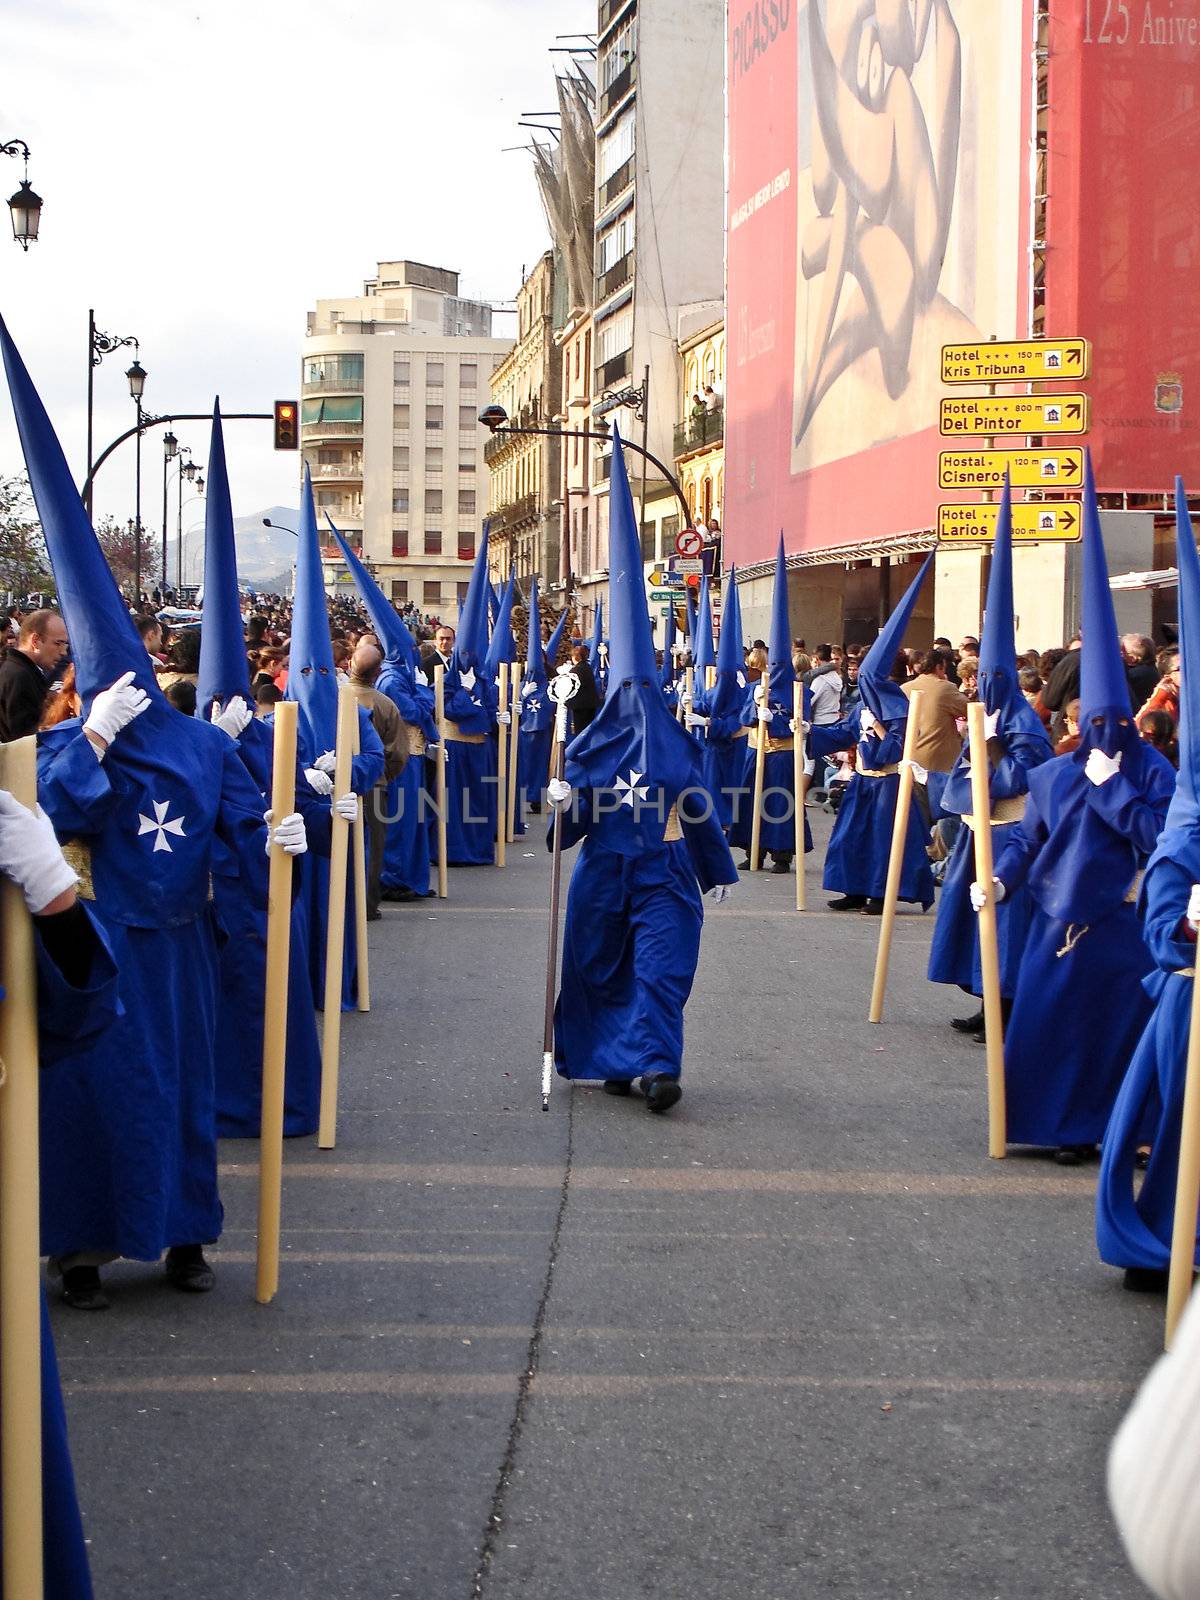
{"points": [[1027, 469], [970, 524], [990, 416], [1016, 361]]}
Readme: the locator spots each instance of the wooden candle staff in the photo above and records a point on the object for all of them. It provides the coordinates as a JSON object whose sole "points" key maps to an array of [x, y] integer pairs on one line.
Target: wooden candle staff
{"points": [[279, 938], [502, 731], [335, 936], [895, 862], [798, 786], [514, 752], [989, 945], [362, 984], [20, 1271], [439, 702], [761, 697], [1187, 1182]]}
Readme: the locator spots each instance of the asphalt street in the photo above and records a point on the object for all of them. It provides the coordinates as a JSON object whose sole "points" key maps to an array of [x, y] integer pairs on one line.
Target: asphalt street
{"points": [[798, 1338]]}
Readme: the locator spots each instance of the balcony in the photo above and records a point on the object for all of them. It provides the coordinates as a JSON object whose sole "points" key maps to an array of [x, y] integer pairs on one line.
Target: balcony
{"points": [[332, 385], [601, 469], [347, 471], [615, 278], [346, 506], [618, 88], [613, 371], [330, 430], [525, 509], [609, 11], [617, 184], [698, 432]]}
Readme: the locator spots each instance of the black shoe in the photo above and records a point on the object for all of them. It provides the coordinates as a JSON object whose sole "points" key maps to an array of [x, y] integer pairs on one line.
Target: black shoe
{"points": [[81, 1289], [744, 864], [401, 896], [661, 1091], [873, 908], [980, 1036], [187, 1269], [375, 916], [622, 1086], [1074, 1155], [1145, 1280], [848, 902], [781, 862], [968, 1024]]}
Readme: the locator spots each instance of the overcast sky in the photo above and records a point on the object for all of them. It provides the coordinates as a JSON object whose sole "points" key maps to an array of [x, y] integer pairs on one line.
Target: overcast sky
{"points": [[210, 168]]}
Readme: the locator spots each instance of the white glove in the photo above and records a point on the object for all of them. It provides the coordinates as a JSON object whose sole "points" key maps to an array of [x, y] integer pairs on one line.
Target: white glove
{"points": [[765, 714], [991, 722], [979, 894], [30, 854], [720, 892], [346, 806], [467, 679], [327, 762], [421, 677], [1100, 768], [527, 689], [867, 724], [504, 717], [685, 699], [1193, 909], [288, 833], [558, 792], [320, 782], [115, 708], [918, 771], [236, 716], [695, 720]]}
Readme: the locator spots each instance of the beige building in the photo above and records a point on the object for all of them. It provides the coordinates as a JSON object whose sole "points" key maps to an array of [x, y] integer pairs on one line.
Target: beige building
{"points": [[524, 508], [391, 387]]}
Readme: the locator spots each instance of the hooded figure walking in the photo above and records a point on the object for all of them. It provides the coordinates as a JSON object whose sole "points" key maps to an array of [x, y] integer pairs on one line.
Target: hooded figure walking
{"points": [[634, 795], [1091, 821]]}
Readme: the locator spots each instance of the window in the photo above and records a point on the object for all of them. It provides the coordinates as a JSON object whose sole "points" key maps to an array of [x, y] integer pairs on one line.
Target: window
{"points": [[329, 498], [349, 409], [433, 419], [399, 541], [615, 148], [616, 244], [433, 541], [468, 374], [585, 541], [334, 370], [466, 460], [435, 374], [466, 545], [399, 499], [401, 372], [616, 335], [400, 585], [619, 54], [466, 502], [670, 527], [466, 418], [433, 500], [577, 349], [587, 364], [399, 458], [401, 417], [431, 592], [433, 458]]}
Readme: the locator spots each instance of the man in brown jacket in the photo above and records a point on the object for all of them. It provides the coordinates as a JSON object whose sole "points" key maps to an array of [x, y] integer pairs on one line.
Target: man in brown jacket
{"points": [[364, 669], [938, 741]]}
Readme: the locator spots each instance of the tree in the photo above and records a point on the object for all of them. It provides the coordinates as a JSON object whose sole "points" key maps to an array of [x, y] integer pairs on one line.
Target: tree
{"points": [[24, 565], [119, 547]]}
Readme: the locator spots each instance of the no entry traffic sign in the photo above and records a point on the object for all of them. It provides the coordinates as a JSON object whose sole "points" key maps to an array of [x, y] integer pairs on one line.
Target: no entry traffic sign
{"points": [[688, 542]]}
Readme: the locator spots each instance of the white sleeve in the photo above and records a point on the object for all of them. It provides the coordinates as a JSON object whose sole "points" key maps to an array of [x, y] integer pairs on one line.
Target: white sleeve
{"points": [[1154, 1469]]}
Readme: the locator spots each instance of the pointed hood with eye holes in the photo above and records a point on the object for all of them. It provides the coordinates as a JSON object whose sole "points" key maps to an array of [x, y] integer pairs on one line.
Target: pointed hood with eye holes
{"points": [[1105, 712], [882, 696]]}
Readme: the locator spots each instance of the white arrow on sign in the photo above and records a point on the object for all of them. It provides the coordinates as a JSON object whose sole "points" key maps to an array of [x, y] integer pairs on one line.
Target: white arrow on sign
{"points": [[689, 542]]}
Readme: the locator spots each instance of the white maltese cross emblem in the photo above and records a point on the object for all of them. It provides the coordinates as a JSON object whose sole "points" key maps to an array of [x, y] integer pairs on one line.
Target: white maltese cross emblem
{"points": [[631, 788], [159, 825]]}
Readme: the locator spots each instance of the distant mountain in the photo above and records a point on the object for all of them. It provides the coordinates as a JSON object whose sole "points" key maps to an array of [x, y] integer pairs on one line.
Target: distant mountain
{"points": [[265, 553]]}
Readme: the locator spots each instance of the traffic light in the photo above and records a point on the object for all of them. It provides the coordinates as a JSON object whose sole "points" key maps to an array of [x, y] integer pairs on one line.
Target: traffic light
{"points": [[287, 425]]}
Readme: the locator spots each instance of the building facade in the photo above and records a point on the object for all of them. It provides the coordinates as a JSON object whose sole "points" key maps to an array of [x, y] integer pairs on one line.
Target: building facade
{"points": [[392, 383], [523, 469]]}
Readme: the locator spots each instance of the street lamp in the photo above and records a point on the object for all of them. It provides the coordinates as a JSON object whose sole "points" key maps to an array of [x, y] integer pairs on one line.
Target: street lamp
{"points": [[25, 206], [136, 375], [171, 449], [99, 346]]}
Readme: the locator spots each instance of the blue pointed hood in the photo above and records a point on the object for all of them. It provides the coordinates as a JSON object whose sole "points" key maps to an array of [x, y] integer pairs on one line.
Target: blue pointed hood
{"points": [[104, 642], [503, 646], [781, 673], [397, 643], [1103, 685], [729, 694], [597, 636], [998, 686], [493, 604], [666, 674], [471, 640], [881, 696], [554, 642], [630, 642], [1180, 839], [706, 655], [535, 658], [224, 669], [690, 605], [312, 682]]}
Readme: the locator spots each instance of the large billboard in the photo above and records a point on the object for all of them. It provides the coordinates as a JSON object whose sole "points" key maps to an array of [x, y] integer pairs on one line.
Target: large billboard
{"points": [[1123, 227], [878, 206]]}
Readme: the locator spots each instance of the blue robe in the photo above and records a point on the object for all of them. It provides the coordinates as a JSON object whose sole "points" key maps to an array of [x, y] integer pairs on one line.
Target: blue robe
{"points": [[630, 946], [777, 831], [856, 861], [1134, 1224], [242, 918], [470, 777], [725, 748], [1079, 1006], [406, 845], [129, 1150], [954, 953], [366, 770]]}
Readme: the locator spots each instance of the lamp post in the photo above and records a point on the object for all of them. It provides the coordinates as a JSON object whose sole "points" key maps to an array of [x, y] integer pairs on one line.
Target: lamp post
{"points": [[25, 207], [99, 346], [170, 451], [189, 470], [136, 375]]}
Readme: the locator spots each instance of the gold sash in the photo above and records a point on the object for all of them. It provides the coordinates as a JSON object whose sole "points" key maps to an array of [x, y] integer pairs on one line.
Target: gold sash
{"points": [[672, 831], [1004, 812], [878, 772], [453, 735], [78, 857]]}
